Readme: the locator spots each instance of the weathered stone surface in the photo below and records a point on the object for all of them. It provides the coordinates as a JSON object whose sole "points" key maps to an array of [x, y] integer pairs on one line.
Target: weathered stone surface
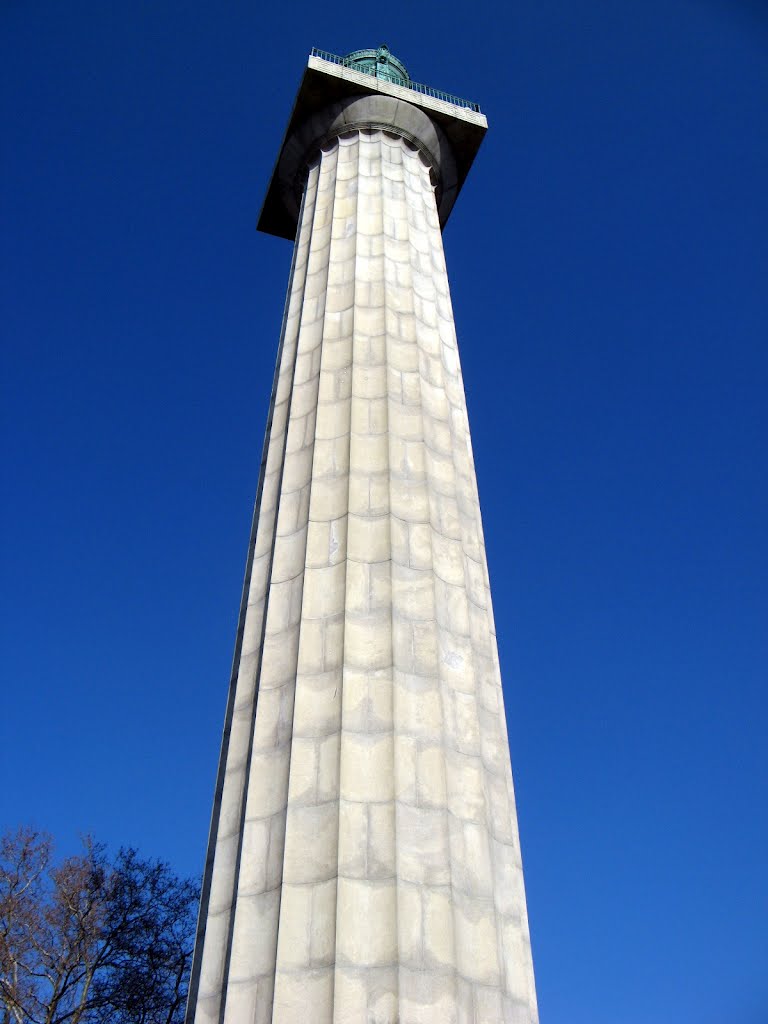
{"points": [[366, 866]]}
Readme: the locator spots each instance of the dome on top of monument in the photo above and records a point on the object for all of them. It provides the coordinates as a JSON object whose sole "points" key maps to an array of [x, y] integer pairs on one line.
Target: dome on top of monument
{"points": [[379, 62]]}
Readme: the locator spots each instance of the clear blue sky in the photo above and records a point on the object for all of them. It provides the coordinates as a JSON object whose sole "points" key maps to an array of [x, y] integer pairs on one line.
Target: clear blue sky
{"points": [[619, 206]]}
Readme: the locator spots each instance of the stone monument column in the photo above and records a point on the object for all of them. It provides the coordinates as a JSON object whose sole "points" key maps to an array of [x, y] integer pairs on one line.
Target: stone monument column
{"points": [[364, 862]]}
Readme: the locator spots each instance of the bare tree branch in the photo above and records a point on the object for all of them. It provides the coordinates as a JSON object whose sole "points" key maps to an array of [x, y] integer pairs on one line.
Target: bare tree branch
{"points": [[91, 940]]}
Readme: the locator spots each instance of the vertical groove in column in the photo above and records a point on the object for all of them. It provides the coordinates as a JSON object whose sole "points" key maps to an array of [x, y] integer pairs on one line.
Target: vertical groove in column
{"points": [[339, 723], [204, 1005], [442, 933], [386, 235], [421, 856], [490, 705], [306, 933], [383, 155], [364, 957], [255, 926], [477, 897], [389, 210]]}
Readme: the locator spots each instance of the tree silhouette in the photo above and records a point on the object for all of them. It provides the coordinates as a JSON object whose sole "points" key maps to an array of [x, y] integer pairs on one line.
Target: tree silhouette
{"points": [[91, 940]]}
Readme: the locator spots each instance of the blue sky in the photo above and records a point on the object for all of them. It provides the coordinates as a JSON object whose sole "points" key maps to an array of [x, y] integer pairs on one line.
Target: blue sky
{"points": [[619, 209]]}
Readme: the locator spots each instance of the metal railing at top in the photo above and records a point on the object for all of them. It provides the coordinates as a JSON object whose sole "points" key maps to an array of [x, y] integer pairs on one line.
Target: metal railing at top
{"points": [[426, 90]]}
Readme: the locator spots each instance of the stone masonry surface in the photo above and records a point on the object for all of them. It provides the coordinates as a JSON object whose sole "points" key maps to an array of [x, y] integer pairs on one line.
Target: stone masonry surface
{"points": [[366, 865]]}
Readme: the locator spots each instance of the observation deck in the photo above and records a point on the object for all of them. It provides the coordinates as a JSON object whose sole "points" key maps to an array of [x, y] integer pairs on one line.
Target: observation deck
{"points": [[330, 79]]}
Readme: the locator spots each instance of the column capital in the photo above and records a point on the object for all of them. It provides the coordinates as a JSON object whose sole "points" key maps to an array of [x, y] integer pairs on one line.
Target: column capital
{"points": [[367, 112], [336, 97]]}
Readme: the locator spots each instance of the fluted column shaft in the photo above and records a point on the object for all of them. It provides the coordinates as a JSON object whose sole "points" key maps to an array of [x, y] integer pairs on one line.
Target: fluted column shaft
{"points": [[364, 862]]}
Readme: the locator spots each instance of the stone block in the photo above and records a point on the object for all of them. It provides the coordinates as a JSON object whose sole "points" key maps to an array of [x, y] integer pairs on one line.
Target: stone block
{"points": [[366, 767], [366, 923], [295, 991], [423, 850], [254, 937], [477, 953]]}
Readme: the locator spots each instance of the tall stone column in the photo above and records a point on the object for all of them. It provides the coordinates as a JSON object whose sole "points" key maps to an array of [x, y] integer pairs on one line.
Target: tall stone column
{"points": [[364, 862]]}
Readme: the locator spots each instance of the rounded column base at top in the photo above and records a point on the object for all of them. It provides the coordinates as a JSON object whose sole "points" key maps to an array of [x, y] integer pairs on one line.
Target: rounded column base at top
{"points": [[369, 112]]}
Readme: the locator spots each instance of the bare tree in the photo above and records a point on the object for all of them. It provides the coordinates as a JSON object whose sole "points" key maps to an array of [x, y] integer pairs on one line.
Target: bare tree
{"points": [[91, 940]]}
